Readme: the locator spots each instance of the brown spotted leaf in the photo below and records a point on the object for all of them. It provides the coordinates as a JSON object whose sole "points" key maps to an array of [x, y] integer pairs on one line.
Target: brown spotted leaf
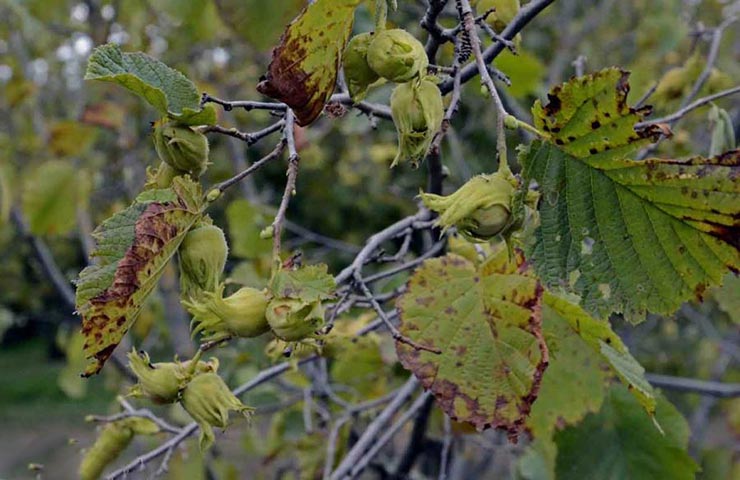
{"points": [[486, 321], [627, 236], [133, 247], [304, 66]]}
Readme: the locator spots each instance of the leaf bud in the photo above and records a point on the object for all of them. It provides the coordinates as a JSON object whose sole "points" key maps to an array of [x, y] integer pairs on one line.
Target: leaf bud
{"points": [[208, 400], [182, 147], [241, 314], [202, 255], [481, 209], [397, 56], [293, 319], [417, 112], [357, 71], [162, 382]]}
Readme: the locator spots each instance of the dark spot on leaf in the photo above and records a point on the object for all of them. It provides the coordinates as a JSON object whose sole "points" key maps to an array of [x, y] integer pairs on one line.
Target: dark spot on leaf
{"points": [[595, 124]]}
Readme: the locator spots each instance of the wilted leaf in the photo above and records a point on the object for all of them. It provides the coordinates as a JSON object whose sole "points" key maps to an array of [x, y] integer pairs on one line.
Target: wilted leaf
{"points": [[166, 89], [626, 235], [133, 248], [51, 195], [486, 321], [621, 442], [304, 66], [309, 283]]}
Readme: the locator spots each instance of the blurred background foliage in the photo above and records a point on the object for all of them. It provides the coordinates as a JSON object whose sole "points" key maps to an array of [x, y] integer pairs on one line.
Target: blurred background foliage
{"points": [[73, 153]]}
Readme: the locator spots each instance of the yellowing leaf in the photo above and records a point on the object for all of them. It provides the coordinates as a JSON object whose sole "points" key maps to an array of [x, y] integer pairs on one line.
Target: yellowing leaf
{"points": [[626, 235], [486, 321], [304, 66], [133, 248], [166, 89]]}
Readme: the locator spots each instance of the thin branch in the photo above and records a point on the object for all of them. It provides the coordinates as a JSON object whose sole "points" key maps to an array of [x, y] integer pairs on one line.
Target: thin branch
{"points": [[374, 428], [247, 105], [526, 14], [692, 385], [46, 258], [292, 174], [360, 465], [468, 20], [711, 60], [395, 333], [375, 241], [444, 460], [416, 442], [249, 138], [692, 106], [275, 153]]}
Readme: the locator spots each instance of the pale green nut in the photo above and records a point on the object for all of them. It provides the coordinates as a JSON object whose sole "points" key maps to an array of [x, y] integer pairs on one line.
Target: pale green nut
{"points": [[417, 111], [480, 209], [294, 319], [397, 56], [202, 255], [181, 147], [241, 314], [357, 70], [208, 400], [162, 382], [113, 439]]}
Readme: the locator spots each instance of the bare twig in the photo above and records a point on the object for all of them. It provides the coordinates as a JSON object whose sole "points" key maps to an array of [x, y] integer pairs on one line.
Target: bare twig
{"points": [[468, 21], [360, 465], [292, 174], [46, 258], [526, 14], [692, 385], [275, 153], [397, 335], [248, 138], [374, 428], [692, 106], [375, 241], [444, 460]]}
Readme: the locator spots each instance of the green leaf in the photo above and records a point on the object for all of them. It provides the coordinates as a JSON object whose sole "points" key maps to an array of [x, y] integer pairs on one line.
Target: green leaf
{"points": [[625, 235], [598, 335], [575, 381], [51, 194], [245, 224], [486, 322], [621, 442], [166, 89], [303, 70], [309, 283], [133, 248]]}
